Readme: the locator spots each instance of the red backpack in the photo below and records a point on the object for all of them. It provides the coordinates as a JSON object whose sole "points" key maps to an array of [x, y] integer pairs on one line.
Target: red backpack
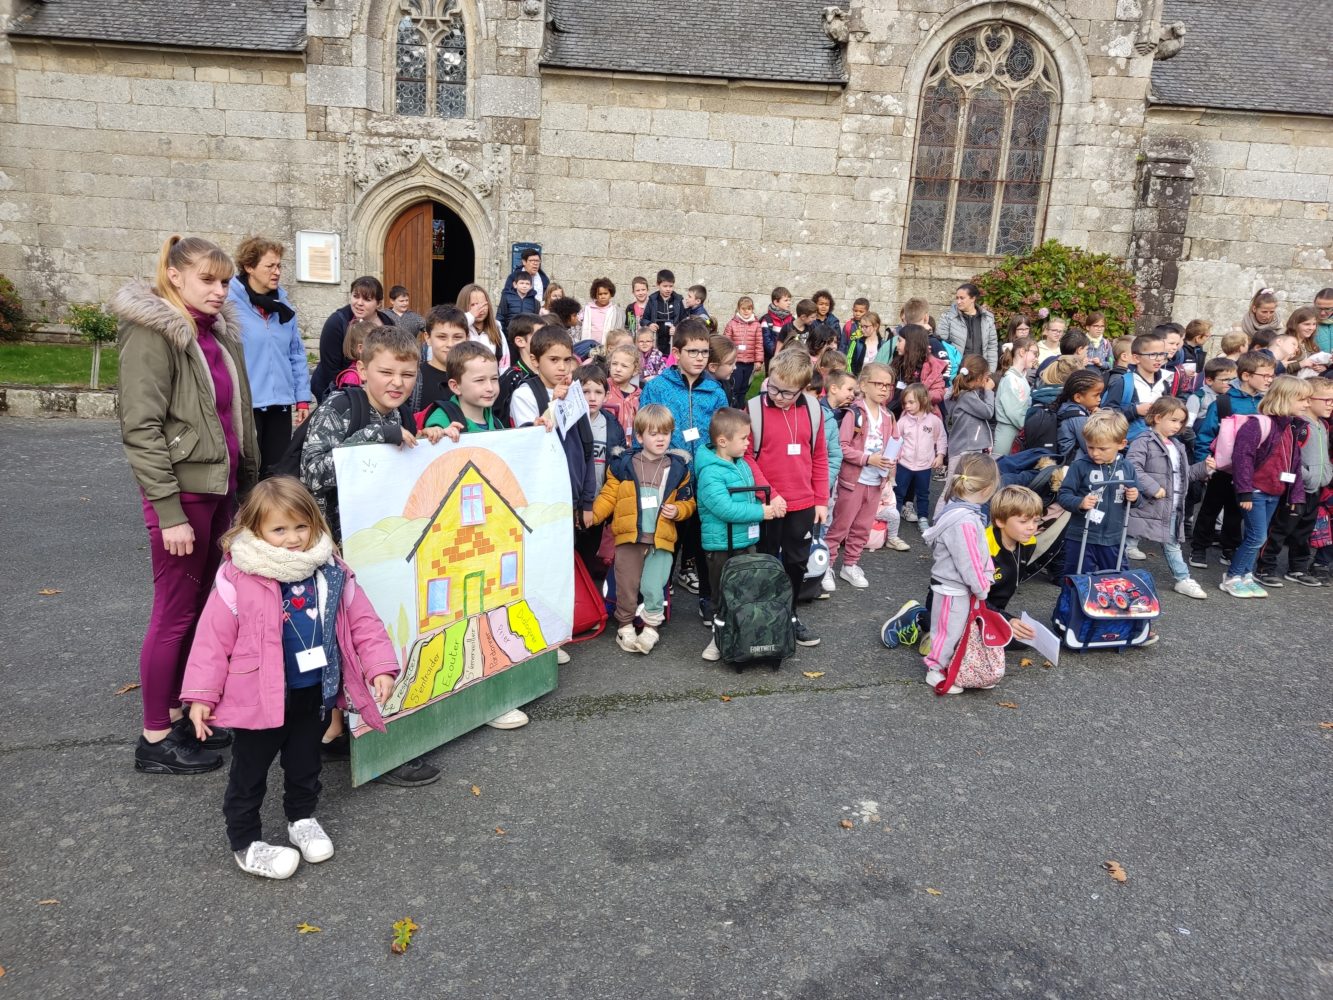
{"points": [[589, 608]]}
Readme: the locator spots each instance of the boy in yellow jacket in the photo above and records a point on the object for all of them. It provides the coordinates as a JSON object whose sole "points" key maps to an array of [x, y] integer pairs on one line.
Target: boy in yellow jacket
{"points": [[647, 491]]}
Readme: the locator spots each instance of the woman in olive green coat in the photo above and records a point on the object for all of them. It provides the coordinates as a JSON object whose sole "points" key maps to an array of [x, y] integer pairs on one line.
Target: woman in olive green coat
{"points": [[189, 434]]}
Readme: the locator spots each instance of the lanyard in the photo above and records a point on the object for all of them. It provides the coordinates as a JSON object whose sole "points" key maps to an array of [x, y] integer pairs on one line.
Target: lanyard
{"points": [[287, 621]]}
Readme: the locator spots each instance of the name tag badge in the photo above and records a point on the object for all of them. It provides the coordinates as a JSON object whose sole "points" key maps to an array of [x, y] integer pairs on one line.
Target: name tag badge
{"points": [[648, 501], [311, 659], [752, 531], [793, 449], [1288, 477], [1095, 516], [690, 434]]}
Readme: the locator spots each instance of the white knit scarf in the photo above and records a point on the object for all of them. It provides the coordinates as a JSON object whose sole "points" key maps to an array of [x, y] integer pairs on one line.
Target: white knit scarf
{"points": [[253, 555]]}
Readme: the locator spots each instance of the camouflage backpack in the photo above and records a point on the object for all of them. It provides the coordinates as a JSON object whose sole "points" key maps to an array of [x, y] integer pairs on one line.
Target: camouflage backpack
{"points": [[752, 622]]}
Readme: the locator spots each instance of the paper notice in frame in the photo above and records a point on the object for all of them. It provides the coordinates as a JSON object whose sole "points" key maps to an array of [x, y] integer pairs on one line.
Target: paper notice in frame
{"points": [[318, 258]]}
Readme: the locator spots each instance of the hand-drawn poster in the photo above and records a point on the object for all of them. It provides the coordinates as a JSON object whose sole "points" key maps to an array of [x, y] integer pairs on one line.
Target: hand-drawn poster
{"points": [[466, 552]]}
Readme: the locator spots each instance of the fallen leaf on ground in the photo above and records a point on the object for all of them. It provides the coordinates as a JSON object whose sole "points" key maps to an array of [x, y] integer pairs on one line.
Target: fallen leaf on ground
{"points": [[2, 972], [402, 934], [1116, 871], [934, 892], [726, 697], [305, 928], [127, 688], [812, 674], [48, 902], [1007, 704], [1046, 664], [499, 831], [1025, 662], [846, 824], [48, 592], [476, 790], [1326, 725]]}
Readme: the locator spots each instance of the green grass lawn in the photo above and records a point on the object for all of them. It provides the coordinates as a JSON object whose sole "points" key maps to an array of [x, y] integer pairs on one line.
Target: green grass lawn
{"points": [[56, 364]]}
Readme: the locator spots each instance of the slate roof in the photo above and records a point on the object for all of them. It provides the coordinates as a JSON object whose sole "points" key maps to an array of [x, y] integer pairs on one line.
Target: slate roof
{"points": [[248, 25], [733, 39], [1249, 55]]}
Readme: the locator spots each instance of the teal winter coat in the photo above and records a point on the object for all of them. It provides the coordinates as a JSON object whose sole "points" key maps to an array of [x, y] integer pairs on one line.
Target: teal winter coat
{"points": [[720, 510]]}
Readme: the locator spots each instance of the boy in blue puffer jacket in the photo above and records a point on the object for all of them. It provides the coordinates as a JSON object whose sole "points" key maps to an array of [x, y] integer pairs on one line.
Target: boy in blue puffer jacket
{"points": [[692, 396], [729, 521]]}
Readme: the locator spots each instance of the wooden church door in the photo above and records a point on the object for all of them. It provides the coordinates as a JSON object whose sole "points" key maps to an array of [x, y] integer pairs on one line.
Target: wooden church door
{"points": [[407, 255]]}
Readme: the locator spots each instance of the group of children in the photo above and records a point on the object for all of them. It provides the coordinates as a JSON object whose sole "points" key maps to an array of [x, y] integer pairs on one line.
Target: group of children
{"points": [[688, 464]]}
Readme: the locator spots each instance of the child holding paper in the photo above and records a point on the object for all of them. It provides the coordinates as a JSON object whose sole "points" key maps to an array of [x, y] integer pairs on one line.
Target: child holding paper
{"points": [[869, 456]]}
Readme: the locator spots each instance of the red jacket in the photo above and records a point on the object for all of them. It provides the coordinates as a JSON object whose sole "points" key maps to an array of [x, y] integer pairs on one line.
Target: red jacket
{"points": [[800, 479], [748, 337]]}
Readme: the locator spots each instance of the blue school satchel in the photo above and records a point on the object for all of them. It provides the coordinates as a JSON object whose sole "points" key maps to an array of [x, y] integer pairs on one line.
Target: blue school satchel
{"points": [[1111, 609]]}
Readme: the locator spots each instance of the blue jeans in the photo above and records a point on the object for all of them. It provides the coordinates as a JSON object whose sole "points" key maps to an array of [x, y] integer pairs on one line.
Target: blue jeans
{"points": [[1256, 530], [1175, 561], [919, 483]]}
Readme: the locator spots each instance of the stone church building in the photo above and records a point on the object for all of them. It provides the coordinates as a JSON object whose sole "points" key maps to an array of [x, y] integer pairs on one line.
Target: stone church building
{"points": [[878, 147]]}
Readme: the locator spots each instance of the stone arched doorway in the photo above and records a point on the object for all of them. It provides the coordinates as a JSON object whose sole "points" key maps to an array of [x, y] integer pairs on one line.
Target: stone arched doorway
{"points": [[429, 250]]}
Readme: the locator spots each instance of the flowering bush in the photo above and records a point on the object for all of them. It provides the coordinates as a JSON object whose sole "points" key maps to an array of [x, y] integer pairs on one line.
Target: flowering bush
{"points": [[1054, 279], [12, 320]]}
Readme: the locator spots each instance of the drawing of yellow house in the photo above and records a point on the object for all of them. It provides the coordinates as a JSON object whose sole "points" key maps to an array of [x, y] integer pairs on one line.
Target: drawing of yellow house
{"points": [[469, 558]]}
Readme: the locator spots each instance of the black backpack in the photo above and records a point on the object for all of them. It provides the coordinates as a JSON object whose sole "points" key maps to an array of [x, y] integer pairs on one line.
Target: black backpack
{"points": [[351, 400], [1041, 429]]}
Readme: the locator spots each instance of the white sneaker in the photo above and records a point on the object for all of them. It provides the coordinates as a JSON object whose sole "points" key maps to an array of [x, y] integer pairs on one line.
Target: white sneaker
{"points": [[268, 860], [828, 585], [1235, 586], [897, 544], [647, 639], [1134, 552], [909, 513], [561, 657], [627, 640], [711, 653], [923, 524], [310, 839], [1190, 588], [1252, 586], [515, 718], [935, 677], [855, 576]]}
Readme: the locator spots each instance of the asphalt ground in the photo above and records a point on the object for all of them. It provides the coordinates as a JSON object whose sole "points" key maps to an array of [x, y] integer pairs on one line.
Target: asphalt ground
{"points": [[659, 841]]}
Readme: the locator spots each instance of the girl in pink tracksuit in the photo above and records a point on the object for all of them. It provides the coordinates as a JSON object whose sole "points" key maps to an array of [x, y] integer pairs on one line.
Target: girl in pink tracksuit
{"points": [[285, 636], [866, 432], [925, 448]]}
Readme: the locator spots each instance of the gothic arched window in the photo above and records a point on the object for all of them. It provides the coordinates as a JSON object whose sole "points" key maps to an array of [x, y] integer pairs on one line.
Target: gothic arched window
{"points": [[985, 139], [430, 61]]}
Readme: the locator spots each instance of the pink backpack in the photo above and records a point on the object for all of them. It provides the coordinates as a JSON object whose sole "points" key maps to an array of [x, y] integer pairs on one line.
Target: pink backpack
{"points": [[1225, 442]]}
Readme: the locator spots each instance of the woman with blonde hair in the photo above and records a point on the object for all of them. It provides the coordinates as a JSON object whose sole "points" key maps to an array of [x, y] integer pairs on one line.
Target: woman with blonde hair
{"points": [[188, 430]]}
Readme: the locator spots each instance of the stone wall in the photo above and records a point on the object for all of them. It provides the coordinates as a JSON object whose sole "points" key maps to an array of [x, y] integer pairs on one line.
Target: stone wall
{"points": [[1259, 210], [743, 187]]}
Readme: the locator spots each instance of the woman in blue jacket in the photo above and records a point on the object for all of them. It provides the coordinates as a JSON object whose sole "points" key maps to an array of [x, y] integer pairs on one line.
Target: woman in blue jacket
{"points": [[274, 354]]}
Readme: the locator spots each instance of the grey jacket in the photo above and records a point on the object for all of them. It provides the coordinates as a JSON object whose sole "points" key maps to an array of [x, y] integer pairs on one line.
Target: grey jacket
{"points": [[972, 422], [957, 540], [1316, 464], [1150, 518], [953, 328], [168, 415]]}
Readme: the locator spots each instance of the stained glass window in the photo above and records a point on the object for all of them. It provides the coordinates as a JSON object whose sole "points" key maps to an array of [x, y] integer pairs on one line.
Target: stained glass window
{"points": [[431, 60], [984, 142]]}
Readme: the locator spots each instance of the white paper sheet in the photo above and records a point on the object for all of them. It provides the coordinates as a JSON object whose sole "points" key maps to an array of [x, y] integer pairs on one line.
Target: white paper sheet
{"points": [[569, 409], [892, 447], [1044, 641]]}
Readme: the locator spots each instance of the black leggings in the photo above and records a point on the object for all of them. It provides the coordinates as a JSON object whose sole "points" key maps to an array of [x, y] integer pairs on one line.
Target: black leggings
{"points": [[788, 537]]}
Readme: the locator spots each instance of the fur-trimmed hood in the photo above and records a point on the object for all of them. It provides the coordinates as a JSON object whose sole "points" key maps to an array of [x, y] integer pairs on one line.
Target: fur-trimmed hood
{"points": [[136, 303]]}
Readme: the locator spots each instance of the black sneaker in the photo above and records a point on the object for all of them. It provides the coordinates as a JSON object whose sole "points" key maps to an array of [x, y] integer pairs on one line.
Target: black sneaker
{"points": [[220, 739], [1304, 579], [338, 748], [1268, 579], [173, 755], [804, 637], [415, 772], [1225, 559], [706, 611], [1199, 560]]}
